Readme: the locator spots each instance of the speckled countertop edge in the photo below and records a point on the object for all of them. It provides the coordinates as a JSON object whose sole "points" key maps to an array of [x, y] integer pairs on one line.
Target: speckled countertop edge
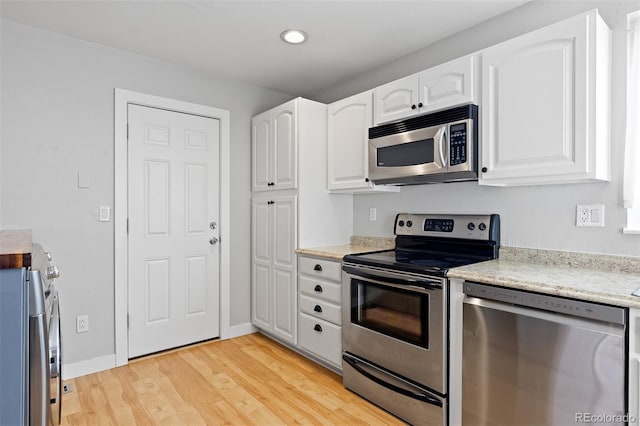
{"points": [[596, 278], [592, 277], [357, 245]]}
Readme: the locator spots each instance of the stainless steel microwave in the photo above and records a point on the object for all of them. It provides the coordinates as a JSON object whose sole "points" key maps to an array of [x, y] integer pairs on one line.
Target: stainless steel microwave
{"points": [[436, 147]]}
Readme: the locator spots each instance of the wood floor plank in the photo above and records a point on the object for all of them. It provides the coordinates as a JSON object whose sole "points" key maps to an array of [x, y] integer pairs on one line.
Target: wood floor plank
{"points": [[249, 380]]}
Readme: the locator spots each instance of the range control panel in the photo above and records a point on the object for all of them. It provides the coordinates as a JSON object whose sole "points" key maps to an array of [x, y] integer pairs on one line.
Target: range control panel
{"points": [[479, 227]]}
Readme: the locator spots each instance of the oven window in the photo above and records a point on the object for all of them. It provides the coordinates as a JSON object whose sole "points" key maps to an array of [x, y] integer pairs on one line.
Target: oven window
{"points": [[406, 154], [393, 312]]}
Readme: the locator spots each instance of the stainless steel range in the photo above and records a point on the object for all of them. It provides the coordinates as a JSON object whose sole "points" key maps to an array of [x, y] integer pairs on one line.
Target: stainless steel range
{"points": [[395, 314]]}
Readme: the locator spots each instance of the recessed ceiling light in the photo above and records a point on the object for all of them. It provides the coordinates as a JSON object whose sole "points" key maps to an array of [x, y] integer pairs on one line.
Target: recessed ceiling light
{"points": [[293, 36]]}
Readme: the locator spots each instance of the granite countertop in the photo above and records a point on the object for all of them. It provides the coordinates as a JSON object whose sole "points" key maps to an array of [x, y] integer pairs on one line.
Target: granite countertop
{"points": [[596, 278], [15, 248], [356, 245]]}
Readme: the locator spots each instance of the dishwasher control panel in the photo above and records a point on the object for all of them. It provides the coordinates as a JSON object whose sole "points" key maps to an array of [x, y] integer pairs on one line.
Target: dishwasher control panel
{"points": [[560, 305]]}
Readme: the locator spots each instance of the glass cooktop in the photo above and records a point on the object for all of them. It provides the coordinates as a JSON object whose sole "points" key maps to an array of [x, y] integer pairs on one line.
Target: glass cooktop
{"points": [[414, 261]]}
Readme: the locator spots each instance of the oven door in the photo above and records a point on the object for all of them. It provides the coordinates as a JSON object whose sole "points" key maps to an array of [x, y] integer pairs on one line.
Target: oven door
{"points": [[413, 153], [397, 321]]}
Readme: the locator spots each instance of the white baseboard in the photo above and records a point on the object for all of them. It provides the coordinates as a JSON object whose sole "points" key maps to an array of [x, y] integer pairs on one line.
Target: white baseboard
{"points": [[89, 366], [94, 365], [238, 330]]}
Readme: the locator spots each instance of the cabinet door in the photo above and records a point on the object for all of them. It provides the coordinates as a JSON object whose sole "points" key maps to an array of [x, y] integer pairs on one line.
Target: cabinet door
{"points": [[535, 106], [448, 85], [284, 267], [395, 100], [261, 149], [261, 273], [348, 137], [285, 146]]}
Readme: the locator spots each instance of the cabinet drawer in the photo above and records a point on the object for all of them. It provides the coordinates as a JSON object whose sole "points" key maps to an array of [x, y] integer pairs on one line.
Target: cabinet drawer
{"points": [[325, 269], [320, 309], [320, 289], [321, 338]]}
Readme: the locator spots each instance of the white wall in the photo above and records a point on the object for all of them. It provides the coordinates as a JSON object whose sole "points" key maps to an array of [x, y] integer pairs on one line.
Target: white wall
{"points": [[536, 217], [57, 120]]}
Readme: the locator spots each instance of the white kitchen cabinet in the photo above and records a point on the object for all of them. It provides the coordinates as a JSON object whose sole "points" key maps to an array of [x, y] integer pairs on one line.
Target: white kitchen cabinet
{"points": [[545, 105], [274, 145], [273, 287], [319, 316], [443, 86], [348, 125], [306, 215]]}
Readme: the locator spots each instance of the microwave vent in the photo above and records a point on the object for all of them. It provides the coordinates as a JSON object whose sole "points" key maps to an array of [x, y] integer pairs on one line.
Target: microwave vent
{"points": [[427, 120]]}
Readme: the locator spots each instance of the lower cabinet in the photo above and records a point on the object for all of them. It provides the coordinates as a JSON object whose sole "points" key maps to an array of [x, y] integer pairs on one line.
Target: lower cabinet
{"points": [[273, 287], [319, 309]]}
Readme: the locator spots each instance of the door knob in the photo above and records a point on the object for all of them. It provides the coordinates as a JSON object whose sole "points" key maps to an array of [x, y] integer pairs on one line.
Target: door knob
{"points": [[213, 240], [213, 225]]}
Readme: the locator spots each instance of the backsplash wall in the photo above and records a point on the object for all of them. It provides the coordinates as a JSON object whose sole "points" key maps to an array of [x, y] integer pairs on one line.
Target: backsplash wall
{"points": [[532, 217]]}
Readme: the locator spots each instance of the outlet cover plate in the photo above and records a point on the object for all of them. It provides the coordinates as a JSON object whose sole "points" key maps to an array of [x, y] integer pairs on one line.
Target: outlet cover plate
{"points": [[82, 324], [590, 215]]}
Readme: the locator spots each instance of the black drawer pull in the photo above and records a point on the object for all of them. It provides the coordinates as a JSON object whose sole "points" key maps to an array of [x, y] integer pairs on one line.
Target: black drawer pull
{"points": [[318, 308], [318, 288], [317, 328], [317, 268]]}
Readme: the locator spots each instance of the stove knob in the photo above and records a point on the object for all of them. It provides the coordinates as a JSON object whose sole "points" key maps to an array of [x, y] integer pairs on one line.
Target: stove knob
{"points": [[48, 255], [482, 226], [409, 223], [401, 223], [52, 272], [471, 226]]}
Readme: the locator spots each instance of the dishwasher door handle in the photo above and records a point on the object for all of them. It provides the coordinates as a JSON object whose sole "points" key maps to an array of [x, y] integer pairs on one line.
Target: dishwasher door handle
{"points": [[572, 321]]}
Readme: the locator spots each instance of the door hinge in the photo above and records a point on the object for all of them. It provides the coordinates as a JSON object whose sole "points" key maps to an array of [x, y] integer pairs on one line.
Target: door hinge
{"points": [[127, 320], [127, 225], [127, 131]]}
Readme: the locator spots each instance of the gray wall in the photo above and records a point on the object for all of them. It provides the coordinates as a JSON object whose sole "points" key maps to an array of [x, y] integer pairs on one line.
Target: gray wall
{"points": [[536, 217], [57, 120]]}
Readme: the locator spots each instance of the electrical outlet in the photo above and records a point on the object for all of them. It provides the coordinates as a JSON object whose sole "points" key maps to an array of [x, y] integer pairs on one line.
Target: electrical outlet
{"points": [[372, 214], [590, 215], [82, 324]]}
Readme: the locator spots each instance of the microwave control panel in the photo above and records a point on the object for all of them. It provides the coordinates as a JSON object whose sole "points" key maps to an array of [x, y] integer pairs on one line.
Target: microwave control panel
{"points": [[457, 144]]}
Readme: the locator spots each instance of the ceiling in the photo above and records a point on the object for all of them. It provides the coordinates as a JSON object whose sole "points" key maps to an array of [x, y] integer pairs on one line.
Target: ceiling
{"points": [[241, 39]]}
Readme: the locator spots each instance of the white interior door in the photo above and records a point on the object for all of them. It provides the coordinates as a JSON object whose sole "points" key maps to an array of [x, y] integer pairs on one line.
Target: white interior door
{"points": [[173, 191]]}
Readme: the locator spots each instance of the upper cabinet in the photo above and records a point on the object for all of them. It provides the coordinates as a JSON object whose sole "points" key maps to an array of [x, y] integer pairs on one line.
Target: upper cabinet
{"points": [[348, 138], [545, 105], [274, 146], [450, 84]]}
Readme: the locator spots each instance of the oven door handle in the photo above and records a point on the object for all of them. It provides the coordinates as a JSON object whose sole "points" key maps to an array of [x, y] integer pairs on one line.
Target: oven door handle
{"points": [[390, 277], [420, 396]]}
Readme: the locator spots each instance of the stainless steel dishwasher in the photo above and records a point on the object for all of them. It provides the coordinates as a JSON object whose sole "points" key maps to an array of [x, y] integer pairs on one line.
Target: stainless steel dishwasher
{"points": [[533, 359]]}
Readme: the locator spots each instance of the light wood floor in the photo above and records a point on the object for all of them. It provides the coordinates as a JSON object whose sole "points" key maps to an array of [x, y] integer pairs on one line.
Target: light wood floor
{"points": [[242, 381]]}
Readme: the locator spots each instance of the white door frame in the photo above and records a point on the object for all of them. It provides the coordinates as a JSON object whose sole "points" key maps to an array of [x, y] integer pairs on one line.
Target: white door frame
{"points": [[122, 99]]}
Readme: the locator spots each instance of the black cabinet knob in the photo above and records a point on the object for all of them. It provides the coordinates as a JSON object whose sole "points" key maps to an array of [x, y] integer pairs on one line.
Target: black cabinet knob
{"points": [[317, 328], [484, 170], [318, 288], [413, 106], [366, 179], [318, 308], [317, 268], [420, 105]]}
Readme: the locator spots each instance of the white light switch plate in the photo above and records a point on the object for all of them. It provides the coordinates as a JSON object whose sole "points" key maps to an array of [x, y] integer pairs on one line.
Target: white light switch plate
{"points": [[84, 181], [104, 214], [373, 213]]}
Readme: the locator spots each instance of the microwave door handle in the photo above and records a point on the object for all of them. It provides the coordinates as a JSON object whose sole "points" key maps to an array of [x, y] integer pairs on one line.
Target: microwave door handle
{"points": [[441, 146]]}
